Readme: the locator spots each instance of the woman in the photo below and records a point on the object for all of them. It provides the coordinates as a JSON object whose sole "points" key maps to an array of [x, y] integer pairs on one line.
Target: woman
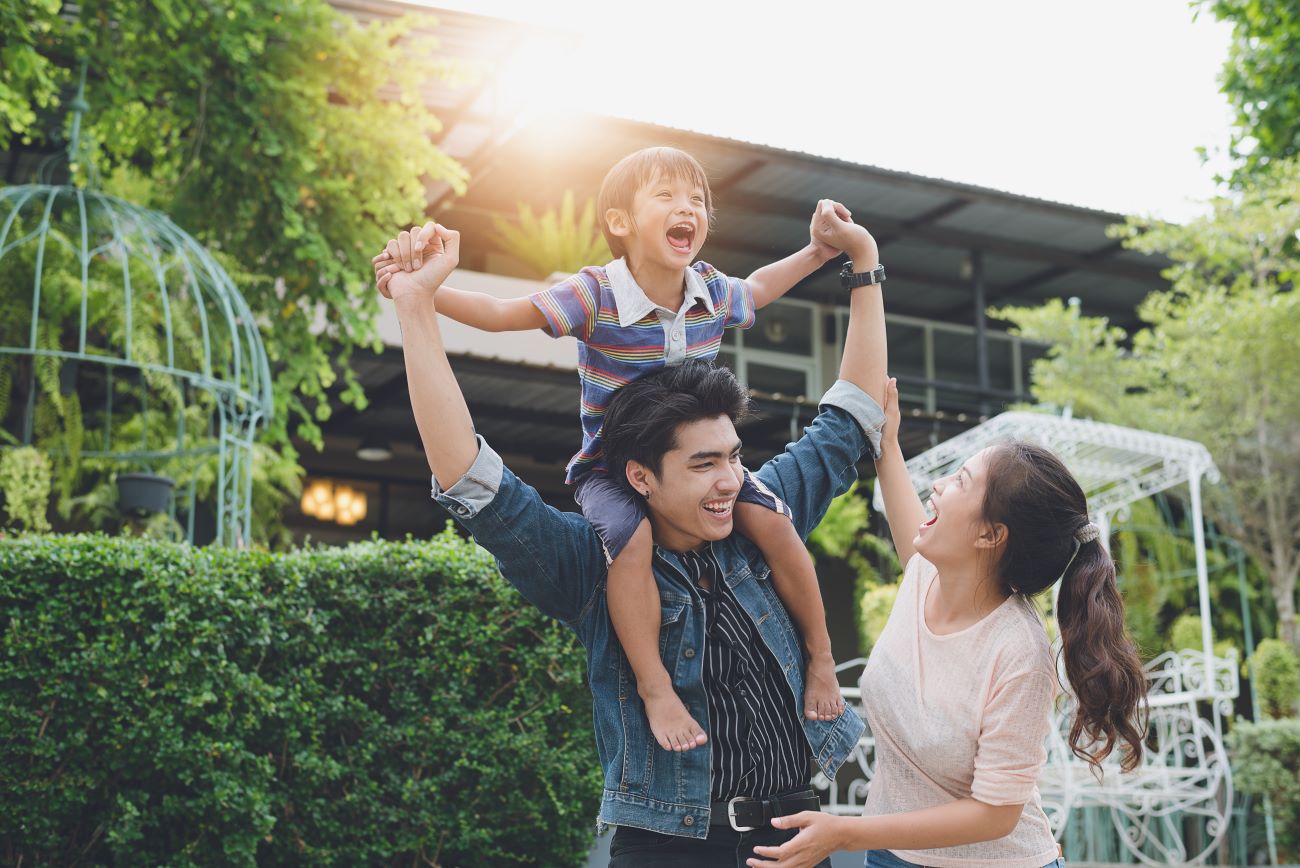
{"points": [[959, 687]]}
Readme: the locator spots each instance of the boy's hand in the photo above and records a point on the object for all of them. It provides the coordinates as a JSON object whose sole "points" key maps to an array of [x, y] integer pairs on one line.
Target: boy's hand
{"points": [[824, 251], [831, 227], [431, 252], [893, 417]]}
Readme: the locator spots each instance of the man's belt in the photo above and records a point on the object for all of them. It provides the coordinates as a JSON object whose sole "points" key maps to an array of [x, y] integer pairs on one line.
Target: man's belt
{"points": [[745, 814]]}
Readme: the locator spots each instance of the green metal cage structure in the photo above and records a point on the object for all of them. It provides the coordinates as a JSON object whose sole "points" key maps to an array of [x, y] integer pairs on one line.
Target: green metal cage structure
{"points": [[123, 338]]}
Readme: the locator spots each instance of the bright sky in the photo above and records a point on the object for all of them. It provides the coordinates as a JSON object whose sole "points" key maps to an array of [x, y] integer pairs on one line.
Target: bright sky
{"points": [[1100, 103]]}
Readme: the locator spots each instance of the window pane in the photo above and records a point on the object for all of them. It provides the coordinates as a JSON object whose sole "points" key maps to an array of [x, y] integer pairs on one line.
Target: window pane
{"points": [[906, 349], [1000, 374], [954, 357], [956, 402], [769, 378], [786, 328]]}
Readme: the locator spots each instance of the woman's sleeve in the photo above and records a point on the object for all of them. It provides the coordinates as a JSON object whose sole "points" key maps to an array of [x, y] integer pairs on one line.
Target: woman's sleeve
{"points": [[1012, 744]]}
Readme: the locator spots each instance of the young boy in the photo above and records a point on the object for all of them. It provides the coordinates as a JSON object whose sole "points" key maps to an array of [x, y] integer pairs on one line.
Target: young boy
{"points": [[654, 306]]}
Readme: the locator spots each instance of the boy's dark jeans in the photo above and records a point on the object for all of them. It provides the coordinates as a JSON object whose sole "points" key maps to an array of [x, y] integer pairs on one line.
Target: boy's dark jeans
{"points": [[724, 848]]}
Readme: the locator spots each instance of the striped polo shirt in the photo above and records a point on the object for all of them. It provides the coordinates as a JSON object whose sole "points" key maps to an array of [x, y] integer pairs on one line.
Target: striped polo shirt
{"points": [[623, 335]]}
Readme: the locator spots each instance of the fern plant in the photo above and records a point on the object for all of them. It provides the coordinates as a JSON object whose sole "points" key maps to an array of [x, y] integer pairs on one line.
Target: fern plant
{"points": [[554, 241]]}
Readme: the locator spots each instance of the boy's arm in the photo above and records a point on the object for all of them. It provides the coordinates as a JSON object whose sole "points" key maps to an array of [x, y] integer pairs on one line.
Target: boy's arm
{"points": [[476, 309], [770, 282], [489, 313]]}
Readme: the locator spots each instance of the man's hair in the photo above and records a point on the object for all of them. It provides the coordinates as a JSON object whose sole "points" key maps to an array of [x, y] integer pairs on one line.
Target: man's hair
{"points": [[641, 421], [635, 171]]}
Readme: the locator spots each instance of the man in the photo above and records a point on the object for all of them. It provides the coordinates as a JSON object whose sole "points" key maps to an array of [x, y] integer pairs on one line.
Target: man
{"points": [[727, 641]]}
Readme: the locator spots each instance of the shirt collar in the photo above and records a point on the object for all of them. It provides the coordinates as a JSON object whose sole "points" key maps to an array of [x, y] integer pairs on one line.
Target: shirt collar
{"points": [[633, 303]]}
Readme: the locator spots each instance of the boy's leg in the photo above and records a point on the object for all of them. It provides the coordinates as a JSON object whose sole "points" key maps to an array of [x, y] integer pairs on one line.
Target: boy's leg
{"points": [[634, 609], [762, 518]]}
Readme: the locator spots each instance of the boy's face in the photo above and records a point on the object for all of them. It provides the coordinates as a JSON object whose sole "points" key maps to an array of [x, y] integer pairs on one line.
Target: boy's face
{"points": [[667, 225]]}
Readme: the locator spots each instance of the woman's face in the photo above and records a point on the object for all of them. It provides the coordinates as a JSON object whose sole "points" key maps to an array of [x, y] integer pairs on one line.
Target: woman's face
{"points": [[956, 505]]}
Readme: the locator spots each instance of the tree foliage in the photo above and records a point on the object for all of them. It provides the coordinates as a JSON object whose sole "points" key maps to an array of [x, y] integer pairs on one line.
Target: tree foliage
{"points": [[281, 132], [1260, 75], [1215, 362]]}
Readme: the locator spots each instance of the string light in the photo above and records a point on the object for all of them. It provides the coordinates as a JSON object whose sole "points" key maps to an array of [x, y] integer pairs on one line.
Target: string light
{"points": [[326, 501]]}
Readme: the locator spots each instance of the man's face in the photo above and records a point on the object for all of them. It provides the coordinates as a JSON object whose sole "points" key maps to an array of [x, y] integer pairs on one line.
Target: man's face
{"points": [[694, 495]]}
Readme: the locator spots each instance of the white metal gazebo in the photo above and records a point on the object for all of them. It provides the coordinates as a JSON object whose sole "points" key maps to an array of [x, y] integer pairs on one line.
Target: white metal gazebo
{"points": [[1174, 808]]}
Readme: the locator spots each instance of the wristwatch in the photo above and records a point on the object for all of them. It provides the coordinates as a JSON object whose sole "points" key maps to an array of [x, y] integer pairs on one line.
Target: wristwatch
{"points": [[849, 280]]}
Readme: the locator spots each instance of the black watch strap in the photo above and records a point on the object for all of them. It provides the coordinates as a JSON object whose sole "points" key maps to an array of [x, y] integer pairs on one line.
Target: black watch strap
{"points": [[850, 280]]}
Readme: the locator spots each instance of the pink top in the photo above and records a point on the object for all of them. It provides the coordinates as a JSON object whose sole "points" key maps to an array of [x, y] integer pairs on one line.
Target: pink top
{"points": [[960, 715]]}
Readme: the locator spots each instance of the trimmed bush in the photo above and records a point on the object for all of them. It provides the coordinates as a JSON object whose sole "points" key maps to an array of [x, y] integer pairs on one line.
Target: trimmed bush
{"points": [[1277, 677], [1265, 758], [376, 704]]}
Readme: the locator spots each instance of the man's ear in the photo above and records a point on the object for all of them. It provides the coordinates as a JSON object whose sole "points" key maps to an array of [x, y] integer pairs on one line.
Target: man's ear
{"points": [[992, 536], [639, 477], [619, 222]]}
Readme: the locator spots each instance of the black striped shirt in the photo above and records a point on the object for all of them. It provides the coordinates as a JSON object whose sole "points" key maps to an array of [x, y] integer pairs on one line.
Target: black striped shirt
{"points": [[758, 744]]}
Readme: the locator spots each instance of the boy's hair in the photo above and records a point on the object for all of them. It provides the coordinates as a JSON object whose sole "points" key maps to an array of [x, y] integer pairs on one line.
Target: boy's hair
{"points": [[642, 419], [635, 171]]}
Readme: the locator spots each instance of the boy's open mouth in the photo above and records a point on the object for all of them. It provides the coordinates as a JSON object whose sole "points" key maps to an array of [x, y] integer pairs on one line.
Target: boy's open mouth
{"points": [[681, 237]]}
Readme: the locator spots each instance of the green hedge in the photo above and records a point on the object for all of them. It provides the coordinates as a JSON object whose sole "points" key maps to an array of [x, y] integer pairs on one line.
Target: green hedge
{"points": [[1265, 757], [379, 704]]}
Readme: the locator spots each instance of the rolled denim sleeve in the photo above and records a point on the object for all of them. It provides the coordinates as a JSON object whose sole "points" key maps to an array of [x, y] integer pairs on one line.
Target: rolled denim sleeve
{"points": [[822, 464], [553, 558], [477, 488], [869, 415]]}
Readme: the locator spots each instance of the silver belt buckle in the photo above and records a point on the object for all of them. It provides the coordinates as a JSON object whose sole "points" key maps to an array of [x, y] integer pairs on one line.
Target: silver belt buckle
{"points": [[731, 814]]}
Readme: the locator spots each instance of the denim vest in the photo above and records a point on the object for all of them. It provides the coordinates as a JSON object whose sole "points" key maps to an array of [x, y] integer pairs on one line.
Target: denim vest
{"points": [[556, 561]]}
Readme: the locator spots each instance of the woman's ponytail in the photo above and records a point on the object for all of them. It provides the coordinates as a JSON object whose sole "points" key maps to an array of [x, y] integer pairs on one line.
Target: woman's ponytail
{"points": [[1032, 493], [1101, 661]]}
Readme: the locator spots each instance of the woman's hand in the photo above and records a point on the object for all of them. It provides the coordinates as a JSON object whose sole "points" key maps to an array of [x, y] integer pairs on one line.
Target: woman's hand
{"points": [[893, 418], [819, 836]]}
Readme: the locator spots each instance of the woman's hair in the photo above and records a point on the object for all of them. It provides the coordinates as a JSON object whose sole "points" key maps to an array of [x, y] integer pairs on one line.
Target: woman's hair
{"points": [[635, 171], [1030, 491]]}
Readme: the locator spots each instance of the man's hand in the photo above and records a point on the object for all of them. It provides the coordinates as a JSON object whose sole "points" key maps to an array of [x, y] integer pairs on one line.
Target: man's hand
{"points": [[417, 260], [826, 252], [889, 434], [832, 227], [819, 836]]}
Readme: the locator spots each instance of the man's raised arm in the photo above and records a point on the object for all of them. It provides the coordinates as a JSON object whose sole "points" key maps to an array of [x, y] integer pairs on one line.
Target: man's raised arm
{"points": [[866, 358], [822, 464], [553, 558], [446, 429]]}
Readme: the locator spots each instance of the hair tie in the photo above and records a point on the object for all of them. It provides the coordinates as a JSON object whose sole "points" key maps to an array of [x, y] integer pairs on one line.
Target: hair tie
{"points": [[1085, 534]]}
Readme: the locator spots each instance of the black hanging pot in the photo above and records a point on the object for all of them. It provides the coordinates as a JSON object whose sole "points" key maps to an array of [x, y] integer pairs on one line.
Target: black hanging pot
{"points": [[68, 376], [143, 493]]}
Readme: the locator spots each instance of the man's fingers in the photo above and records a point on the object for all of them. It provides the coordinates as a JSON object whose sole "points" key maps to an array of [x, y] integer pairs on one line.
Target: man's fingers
{"points": [[393, 251], [423, 234], [404, 249], [382, 285], [381, 256], [450, 239]]}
